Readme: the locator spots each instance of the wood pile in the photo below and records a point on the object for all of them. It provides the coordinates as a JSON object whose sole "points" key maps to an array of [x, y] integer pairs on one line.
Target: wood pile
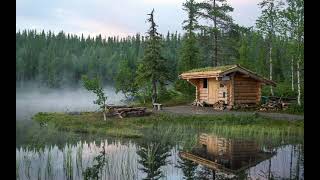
{"points": [[124, 111], [247, 106], [274, 105], [197, 103], [219, 105]]}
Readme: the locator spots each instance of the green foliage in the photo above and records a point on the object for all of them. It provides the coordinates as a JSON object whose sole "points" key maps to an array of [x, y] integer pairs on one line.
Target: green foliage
{"points": [[95, 86], [185, 87], [283, 89], [137, 64], [57, 60], [190, 56], [269, 22], [188, 168], [93, 173], [215, 11], [152, 156], [153, 67], [190, 52], [141, 126], [295, 108], [125, 79]]}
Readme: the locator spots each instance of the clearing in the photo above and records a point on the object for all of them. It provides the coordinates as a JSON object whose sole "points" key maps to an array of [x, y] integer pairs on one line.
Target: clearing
{"points": [[194, 110]]}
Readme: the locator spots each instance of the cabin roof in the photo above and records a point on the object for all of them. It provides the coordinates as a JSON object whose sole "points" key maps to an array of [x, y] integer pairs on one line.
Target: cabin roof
{"points": [[220, 71], [216, 69]]}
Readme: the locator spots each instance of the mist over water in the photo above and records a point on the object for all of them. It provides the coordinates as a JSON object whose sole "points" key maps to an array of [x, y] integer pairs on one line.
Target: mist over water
{"points": [[32, 99]]}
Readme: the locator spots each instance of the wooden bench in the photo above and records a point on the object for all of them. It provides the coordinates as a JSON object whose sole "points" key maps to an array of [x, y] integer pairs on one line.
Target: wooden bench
{"points": [[157, 106]]}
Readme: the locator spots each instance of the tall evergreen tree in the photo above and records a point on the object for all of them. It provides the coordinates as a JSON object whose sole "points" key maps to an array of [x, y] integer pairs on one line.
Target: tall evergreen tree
{"points": [[153, 67], [190, 51], [216, 11]]}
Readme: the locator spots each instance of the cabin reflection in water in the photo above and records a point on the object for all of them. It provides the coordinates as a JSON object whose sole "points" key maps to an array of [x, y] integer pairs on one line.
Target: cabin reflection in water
{"points": [[226, 155]]}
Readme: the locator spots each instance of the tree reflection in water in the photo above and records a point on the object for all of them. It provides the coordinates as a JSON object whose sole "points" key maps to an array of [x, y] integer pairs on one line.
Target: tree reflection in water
{"points": [[153, 152], [188, 168]]}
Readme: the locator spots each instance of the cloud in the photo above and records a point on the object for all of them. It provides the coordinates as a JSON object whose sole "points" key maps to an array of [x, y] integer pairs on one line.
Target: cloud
{"points": [[157, 2], [243, 2], [108, 17]]}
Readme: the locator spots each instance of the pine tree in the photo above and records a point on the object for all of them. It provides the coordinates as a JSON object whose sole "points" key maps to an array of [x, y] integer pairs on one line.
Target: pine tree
{"points": [[216, 11], [153, 67], [189, 58]]}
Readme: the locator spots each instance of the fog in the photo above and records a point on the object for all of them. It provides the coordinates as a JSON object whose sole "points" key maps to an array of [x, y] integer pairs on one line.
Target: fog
{"points": [[33, 99]]}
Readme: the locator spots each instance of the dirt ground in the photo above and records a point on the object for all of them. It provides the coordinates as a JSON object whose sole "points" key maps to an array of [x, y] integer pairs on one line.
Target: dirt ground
{"points": [[192, 110]]}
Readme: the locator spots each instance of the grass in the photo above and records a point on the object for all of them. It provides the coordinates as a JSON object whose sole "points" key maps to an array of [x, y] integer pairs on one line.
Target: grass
{"points": [[136, 127], [221, 68], [172, 98]]}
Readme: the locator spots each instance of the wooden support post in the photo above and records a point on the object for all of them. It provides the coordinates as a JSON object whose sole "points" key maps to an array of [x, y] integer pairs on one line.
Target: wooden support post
{"points": [[259, 93]]}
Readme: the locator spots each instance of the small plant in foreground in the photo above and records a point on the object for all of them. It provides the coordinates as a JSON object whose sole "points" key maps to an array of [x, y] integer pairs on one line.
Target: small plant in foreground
{"points": [[94, 171]]}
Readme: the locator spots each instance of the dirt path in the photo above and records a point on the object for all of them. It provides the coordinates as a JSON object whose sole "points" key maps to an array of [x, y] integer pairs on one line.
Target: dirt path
{"points": [[192, 110]]}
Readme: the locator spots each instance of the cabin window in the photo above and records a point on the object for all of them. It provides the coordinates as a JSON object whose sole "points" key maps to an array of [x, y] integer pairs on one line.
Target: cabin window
{"points": [[224, 94], [205, 83], [221, 85]]}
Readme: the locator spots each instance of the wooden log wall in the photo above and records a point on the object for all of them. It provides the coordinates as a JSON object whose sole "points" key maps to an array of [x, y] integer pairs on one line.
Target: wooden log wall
{"points": [[203, 92], [246, 90]]}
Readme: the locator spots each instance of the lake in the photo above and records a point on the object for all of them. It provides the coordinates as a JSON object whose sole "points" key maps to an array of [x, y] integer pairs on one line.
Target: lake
{"points": [[165, 153]]}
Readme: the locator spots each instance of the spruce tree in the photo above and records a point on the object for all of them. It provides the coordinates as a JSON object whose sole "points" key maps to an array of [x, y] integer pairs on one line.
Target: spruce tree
{"points": [[153, 68], [216, 11]]}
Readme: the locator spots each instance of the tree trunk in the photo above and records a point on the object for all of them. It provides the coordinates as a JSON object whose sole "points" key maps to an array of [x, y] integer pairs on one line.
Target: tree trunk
{"points": [[290, 174], [299, 88], [215, 49], [270, 63], [154, 91], [298, 163], [269, 169], [105, 112], [215, 58], [292, 74]]}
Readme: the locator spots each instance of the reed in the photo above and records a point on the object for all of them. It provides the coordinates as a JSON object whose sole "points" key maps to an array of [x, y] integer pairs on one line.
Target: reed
{"points": [[48, 169], [67, 163], [27, 166], [79, 159]]}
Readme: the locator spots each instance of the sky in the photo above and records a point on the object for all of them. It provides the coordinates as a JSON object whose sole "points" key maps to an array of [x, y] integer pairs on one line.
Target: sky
{"points": [[114, 17]]}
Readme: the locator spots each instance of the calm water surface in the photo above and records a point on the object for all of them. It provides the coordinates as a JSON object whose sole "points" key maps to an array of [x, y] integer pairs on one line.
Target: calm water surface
{"points": [[43, 153]]}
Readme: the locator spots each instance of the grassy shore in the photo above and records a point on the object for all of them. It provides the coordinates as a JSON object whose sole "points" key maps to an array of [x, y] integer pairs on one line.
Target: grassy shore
{"points": [[135, 127]]}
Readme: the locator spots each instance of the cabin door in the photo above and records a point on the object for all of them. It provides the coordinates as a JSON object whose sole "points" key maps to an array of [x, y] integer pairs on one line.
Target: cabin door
{"points": [[222, 93]]}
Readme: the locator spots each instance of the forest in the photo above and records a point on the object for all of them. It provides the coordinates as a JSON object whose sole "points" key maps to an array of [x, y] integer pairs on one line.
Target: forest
{"points": [[148, 64]]}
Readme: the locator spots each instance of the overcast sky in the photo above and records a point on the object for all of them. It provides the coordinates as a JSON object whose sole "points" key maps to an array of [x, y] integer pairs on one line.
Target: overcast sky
{"points": [[114, 17]]}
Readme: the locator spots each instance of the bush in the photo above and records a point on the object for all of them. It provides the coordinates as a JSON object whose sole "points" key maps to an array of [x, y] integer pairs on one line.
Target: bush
{"points": [[283, 89], [295, 108], [184, 87]]}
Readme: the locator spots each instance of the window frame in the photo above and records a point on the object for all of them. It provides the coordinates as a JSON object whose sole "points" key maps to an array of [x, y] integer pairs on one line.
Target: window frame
{"points": [[205, 83]]}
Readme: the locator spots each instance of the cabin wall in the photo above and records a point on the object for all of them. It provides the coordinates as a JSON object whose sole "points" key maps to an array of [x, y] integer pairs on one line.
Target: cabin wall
{"points": [[203, 92], [246, 90], [213, 92], [213, 86]]}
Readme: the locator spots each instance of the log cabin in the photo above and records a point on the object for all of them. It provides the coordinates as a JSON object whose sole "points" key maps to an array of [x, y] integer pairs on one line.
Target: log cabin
{"points": [[232, 84]]}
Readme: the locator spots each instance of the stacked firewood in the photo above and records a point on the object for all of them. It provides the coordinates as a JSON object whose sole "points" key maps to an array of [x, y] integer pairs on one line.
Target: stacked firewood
{"points": [[124, 111], [219, 105], [197, 103], [274, 106]]}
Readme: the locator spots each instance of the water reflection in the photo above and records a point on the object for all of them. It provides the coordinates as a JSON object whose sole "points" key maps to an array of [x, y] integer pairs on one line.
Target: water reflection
{"points": [[234, 158], [158, 157]]}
